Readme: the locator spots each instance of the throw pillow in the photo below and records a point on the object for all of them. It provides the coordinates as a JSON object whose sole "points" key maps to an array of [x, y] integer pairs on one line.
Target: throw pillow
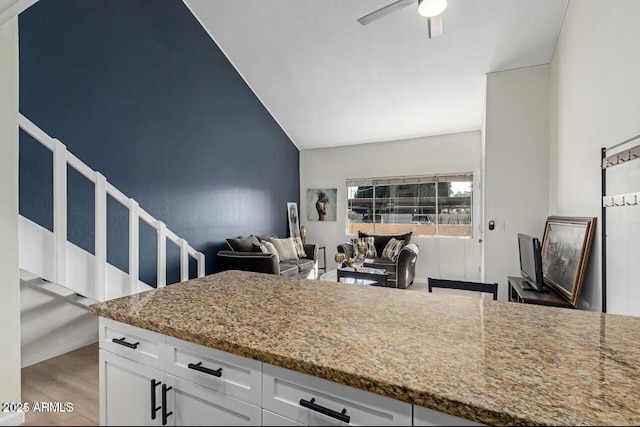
{"points": [[248, 244], [392, 249], [368, 242], [381, 240], [268, 248], [299, 247], [285, 247], [264, 237]]}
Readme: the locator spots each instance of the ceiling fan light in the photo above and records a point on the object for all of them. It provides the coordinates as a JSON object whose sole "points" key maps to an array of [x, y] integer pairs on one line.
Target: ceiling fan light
{"points": [[429, 8]]}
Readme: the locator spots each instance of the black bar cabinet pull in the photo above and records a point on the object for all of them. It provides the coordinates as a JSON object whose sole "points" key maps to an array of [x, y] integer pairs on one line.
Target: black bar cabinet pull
{"points": [[198, 367], [154, 409], [165, 414], [122, 341], [311, 404]]}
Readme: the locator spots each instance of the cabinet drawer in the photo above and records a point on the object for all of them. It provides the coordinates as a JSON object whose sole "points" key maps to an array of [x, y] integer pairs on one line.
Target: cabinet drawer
{"points": [[134, 343], [194, 405], [290, 394], [223, 372]]}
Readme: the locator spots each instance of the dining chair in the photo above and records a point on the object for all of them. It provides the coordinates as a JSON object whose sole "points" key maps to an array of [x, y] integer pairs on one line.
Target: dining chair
{"points": [[463, 287]]}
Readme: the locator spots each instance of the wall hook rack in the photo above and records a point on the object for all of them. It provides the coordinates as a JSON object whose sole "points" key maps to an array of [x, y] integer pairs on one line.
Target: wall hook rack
{"points": [[622, 156], [628, 199]]}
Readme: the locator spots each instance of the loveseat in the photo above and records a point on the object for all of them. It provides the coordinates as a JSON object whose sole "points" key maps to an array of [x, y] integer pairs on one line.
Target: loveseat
{"points": [[399, 260], [252, 253]]}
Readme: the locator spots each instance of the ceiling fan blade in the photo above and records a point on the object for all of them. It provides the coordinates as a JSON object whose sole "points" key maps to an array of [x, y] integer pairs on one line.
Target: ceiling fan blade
{"points": [[434, 25], [384, 11]]}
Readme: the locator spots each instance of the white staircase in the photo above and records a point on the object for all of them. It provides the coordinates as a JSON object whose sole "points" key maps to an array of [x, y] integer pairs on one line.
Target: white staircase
{"points": [[56, 290], [49, 262]]}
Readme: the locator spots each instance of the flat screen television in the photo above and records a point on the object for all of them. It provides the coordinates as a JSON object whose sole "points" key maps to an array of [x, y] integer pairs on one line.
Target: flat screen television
{"points": [[531, 262]]}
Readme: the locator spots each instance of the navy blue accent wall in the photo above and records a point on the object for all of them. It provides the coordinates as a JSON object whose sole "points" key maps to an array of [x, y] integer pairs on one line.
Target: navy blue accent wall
{"points": [[139, 92]]}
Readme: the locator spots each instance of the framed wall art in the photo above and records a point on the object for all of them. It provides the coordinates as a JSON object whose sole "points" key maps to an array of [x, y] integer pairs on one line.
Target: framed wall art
{"points": [[566, 244], [321, 204], [294, 220]]}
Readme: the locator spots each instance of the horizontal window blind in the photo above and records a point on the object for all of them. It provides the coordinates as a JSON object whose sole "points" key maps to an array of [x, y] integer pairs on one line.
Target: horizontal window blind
{"points": [[424, 179], [431, 205]]}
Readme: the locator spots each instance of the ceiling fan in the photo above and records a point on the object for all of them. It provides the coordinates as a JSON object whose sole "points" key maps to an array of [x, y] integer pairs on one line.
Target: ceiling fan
{"points": [[430, 9]]}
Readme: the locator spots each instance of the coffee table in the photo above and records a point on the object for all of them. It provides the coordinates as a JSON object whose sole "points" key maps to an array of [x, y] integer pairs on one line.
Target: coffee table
{"points": [[361, 276]]}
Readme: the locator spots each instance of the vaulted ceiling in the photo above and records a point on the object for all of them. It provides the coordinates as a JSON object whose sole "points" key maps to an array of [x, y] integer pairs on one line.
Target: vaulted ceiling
{"points": [[11, 8], [329, 81]]}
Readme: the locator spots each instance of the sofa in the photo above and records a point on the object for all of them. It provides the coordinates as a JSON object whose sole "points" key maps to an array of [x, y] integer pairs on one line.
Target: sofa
{"points": [[399, 260], [260, 254]]}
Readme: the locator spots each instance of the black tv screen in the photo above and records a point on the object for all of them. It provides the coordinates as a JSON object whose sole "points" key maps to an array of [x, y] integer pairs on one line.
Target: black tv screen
{"points": [[531, 261]]}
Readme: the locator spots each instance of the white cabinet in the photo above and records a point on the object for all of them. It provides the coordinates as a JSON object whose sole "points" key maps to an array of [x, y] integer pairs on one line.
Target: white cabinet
{"points": [[148, 378], [130, 392], [135, 394], [146, 381]]}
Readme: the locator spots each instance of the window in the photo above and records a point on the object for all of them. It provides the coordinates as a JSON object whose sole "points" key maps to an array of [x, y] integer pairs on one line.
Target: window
{"points": [[430, 205]]}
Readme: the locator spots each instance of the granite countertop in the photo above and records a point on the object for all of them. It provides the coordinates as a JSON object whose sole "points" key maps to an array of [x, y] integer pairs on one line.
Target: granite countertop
{"points": [[491, 361]]}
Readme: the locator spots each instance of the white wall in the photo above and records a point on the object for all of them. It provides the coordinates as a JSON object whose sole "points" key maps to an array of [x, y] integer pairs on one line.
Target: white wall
{"points": [[455, 258], [516, 153], [50, 325], [595, 100], [9, 270]]}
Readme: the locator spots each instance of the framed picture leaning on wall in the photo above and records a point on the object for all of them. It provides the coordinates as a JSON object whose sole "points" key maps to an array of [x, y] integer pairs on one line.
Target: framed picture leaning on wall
{"points": [[566, 244], [294, 220]]}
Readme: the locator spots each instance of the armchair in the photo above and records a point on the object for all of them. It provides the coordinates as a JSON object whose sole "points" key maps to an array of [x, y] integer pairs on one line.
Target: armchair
{"points": [[402, 270]]}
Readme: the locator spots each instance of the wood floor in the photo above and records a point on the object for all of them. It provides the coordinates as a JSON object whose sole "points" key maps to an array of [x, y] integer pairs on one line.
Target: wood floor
{"points": [[71, 377], [419, 287]]}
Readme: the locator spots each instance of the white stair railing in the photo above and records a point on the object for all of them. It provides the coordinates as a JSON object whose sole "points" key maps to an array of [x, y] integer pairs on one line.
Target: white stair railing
{"points": [[62, 158]]}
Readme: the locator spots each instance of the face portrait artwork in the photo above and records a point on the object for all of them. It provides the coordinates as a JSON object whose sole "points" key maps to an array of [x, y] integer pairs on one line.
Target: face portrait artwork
{"points": [[294, 226], [321, 204]]}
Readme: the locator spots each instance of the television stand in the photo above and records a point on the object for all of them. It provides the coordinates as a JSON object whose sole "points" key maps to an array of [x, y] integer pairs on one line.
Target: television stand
{"points": [[518, 292], [527, 286]]}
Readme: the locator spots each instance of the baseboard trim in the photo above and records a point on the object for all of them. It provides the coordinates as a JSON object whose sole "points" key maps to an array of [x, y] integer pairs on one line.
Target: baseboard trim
{"points": [[57, 351], [12, 419]]}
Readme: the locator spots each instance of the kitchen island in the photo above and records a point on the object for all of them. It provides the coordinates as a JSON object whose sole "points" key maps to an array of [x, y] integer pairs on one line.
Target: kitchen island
{"points": [[492, 362]]}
